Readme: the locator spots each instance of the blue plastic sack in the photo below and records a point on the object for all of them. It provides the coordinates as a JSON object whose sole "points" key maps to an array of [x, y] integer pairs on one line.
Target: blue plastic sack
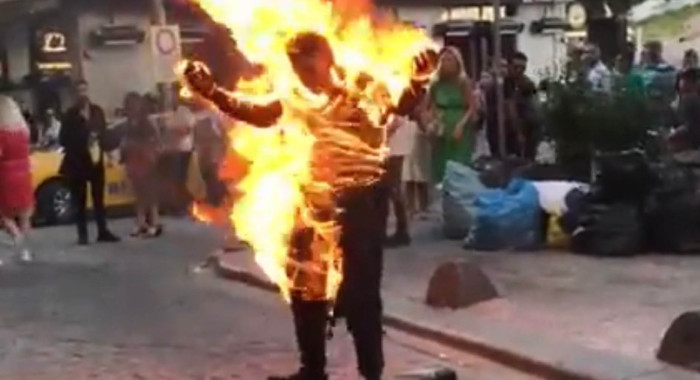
{"points": [[460, 189], [507, 218]]}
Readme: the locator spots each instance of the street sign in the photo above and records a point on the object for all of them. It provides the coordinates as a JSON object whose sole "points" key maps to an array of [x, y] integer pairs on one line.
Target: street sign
{"points": [[167, 52]]}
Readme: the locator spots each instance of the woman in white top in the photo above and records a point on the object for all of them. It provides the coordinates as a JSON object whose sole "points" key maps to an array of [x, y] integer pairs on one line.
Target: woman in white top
{"points": [[400, 136], [416, 168]]}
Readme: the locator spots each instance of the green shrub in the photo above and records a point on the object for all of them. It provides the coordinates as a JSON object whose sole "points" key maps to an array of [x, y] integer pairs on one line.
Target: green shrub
{"points": [[581, 122]]}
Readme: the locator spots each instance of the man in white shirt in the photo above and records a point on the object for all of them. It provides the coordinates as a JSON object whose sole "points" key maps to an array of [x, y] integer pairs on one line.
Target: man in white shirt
{"points": [[598, 76]]}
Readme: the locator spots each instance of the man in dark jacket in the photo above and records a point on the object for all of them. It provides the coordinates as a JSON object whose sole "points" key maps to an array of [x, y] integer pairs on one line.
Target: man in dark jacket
{"points": [[83, 137], [362, 222]]}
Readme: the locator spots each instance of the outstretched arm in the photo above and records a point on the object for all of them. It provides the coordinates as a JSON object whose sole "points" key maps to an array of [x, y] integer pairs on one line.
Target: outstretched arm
{"points": [[198, 79], [425, 65]]}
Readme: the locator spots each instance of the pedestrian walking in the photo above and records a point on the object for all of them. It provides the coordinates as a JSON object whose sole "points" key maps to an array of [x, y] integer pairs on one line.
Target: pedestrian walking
{"points": [[452, 99], [16, 195], [84, 139], [140, 150]]}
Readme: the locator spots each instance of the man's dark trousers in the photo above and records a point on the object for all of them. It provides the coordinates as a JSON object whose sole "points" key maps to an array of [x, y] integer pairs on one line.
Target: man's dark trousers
{"points": [[359, 299], [78, 186]]}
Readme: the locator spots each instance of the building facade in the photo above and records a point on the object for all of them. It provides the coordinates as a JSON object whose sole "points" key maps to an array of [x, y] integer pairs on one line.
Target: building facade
{"points": [[541, 29]]}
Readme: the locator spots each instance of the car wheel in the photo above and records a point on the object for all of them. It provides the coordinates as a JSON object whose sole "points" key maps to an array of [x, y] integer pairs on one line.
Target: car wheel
{"points": [[55, 203]]}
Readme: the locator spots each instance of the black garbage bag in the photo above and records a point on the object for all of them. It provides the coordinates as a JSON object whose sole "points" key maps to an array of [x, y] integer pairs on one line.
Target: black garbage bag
{"points": [[623, 176], [672, 179], [497, 173], [609, 230], [673, 225], [673, 211], [576, 201], [543, 172]]}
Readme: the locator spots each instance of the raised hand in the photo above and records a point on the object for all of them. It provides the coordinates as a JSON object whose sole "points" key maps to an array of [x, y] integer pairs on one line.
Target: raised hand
{"points": [[199, 78], [424, 65]]}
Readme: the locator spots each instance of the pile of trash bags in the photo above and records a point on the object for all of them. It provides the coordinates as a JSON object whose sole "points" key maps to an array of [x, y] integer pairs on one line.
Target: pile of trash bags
{"points": [[630, 207]]}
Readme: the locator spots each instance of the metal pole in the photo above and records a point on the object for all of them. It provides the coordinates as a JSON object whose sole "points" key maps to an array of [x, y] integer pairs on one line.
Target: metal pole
{"points": [[497, 58], [160, 19], [159, 12]]}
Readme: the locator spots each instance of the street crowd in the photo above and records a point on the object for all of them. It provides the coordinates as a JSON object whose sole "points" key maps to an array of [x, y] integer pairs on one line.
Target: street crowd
{"points": [[457, 120]]}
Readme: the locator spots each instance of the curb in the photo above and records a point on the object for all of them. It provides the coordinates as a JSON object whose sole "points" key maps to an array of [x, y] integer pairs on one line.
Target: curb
{"points": [[527, 361]]}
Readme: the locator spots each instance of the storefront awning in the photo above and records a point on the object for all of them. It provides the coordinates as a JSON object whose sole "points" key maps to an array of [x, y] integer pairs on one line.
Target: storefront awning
{"points": [[441, 3], [465, 28]]}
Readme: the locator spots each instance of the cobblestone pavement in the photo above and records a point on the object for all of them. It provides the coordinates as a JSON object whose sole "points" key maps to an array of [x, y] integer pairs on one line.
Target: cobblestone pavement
{"points": [[622, 305], [136, 310]]}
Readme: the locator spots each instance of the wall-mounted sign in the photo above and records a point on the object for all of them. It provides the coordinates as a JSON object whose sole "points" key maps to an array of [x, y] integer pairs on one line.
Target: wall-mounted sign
{"points": [[473, 13], [51, 50], [576, 15], [54, 42]]}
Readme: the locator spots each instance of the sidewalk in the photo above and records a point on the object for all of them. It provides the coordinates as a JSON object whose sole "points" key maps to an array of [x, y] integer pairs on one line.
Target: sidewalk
{"points": [[561, 315]]}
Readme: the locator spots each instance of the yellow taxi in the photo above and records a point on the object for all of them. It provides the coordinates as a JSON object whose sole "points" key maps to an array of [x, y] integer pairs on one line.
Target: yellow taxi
{"points": [[52, 194], [53, 197]]}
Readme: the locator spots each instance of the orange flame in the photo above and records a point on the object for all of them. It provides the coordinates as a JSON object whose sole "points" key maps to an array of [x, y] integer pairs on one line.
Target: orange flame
{"points": [[280, 191]]}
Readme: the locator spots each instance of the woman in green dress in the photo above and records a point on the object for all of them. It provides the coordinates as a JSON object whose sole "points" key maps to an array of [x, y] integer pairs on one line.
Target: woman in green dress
{"points": [[452, 103]]}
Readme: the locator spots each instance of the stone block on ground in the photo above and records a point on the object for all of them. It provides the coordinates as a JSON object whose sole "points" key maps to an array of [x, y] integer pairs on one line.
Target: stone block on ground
{"points": [[681, 343], [430, 374], [458, 285]]}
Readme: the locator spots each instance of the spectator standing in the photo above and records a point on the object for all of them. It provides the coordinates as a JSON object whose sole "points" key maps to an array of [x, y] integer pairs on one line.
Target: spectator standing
{"points": [[140, 154], [627, 79], [687, 137], [400, 135], [597, 74], [520, 94], [488, 85], [660, 82], [452, 102], [690, 59], [52, 129], [83, 137], [210, 145], [416, 168], [178, 144], [16, 193]]}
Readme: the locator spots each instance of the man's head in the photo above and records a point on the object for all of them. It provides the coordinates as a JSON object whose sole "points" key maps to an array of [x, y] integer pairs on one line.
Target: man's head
{"points": [[81, 92], [654, 52], [690, 59], [518, 64], [623, 64], [690, 81], [591, 54], [312, 60]]}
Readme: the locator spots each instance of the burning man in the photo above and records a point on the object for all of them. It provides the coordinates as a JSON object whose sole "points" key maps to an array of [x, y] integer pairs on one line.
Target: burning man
{"points": [[349, 155]]}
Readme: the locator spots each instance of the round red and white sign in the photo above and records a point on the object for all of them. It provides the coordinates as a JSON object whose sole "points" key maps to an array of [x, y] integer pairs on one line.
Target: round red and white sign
{"points": [[166, 41]]}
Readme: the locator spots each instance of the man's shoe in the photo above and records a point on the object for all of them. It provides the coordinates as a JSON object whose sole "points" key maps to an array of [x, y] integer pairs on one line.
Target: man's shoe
{"points": [[301, 375], [107, 237], [83, 240], [398, 240]]}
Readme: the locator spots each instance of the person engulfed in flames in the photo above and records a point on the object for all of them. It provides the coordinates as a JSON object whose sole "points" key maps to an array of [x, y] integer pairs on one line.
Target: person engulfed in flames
{"points": [[347, 195]]}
